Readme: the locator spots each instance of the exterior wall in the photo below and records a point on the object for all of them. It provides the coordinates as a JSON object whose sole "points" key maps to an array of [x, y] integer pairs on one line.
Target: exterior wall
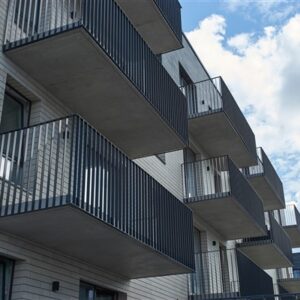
{"points": [[187, 58]]}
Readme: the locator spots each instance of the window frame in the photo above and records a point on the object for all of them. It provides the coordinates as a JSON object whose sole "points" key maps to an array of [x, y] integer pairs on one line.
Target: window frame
{"points": [[4, 260]]}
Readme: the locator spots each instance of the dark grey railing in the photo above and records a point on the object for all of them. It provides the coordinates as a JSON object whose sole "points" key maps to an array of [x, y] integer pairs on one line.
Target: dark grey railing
{"points": [[253, 280], [212, 96], [32, 20], [171, 10], [265, 168], [276, 235], [217, 178], [67, 162], [290, 216], [216, 275]]}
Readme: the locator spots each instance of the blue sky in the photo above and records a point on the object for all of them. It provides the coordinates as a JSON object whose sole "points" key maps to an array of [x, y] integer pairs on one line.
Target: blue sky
{"points": [[240, 17], [255, 47]]}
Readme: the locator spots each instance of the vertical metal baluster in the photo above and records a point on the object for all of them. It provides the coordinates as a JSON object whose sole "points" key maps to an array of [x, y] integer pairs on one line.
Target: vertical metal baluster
{"points": [[10, 172], [18, 20], [51, 135], [43, 165], [18, 171], [5, 155], [24, 177], [62, 13], [33, 129], [63, 175], [35, 175], [9, 28], [29, 20], [34, 25], [68, 13], [57, 137], [45, 17]]}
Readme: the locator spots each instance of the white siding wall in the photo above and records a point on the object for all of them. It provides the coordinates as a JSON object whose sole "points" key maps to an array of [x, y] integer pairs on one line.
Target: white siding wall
{"points": [[169, 174]]}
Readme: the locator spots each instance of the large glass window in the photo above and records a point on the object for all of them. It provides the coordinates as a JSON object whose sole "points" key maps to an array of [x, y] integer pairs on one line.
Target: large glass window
{"points": [[6, 275], [15, 111], [91, 292]]}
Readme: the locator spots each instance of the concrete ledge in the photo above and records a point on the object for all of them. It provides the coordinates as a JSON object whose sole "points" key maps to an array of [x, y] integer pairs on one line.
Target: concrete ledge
{"points": [[263, 188], [73, 232], [151, 25], [292, 285], [265, 254], [293, 232], [216, 135], [76, 70], [227, 217]]}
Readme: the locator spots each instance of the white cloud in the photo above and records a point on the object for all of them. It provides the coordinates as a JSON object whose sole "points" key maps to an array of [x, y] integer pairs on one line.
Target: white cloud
{"points": [[263, 73], [272, 10]]}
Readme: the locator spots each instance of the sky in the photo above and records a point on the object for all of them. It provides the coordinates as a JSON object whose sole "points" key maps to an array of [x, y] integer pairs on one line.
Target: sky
{"points": [[255, 47]]}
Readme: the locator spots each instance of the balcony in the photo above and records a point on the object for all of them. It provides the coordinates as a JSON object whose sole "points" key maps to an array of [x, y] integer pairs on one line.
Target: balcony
{"points": [[157, 21], [65, 186], [289, 280], [219, 194], [217, 124], [291, 223], [216, 276], [88, 55], [227, 274], [266, 182], [271, 251]]}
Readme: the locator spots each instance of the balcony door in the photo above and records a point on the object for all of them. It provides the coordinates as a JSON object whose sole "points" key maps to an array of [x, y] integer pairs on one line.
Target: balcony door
{"points": [[15, 115], [6, 273]]}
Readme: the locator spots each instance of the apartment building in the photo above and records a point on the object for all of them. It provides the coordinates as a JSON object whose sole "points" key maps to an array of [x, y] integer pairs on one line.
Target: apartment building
{"points": [[126, 171]]}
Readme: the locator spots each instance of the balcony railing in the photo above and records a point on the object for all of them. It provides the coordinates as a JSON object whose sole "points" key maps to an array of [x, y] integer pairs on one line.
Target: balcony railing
{"points": [[30, 21], [265, 168], [67, 162], [227, 273], [216, 275], [171, 11], [218, 178], [211, 96]]}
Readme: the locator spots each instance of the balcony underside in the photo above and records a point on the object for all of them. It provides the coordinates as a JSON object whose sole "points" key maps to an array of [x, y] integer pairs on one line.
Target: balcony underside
{"points": [[291, 285], [216, 135], [265, 191], [293, 232], [151, 25], [74, 232], [72, 67], [227, 217], [265, 254]]}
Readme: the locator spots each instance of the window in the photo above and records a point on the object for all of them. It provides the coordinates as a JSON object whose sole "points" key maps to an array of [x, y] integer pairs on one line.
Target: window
{"points": [[91, 292], [6, 276], [15, 112]]}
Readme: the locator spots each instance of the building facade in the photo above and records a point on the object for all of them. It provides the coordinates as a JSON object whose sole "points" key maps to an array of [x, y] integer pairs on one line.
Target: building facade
{"points": [[126, 171]]}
